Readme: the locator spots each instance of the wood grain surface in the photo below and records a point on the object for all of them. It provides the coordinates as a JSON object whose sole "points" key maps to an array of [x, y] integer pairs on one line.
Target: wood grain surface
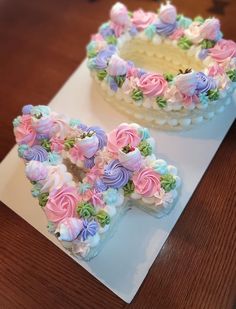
{"points": [[41, 44]]}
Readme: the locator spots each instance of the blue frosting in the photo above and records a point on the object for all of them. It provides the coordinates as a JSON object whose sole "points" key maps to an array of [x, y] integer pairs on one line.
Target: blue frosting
{"points": [[83, 187], [203, 54], [40, 109], [204, 83], [36, 190], [150, 31], [133, 31], [160, 167], [144, 133], [75, 122], [100, 186], [115, 175], [111, 196], [203, 98], [184, 22], [36, 153], [54, 158], [21, 149], [89, 229], [16, 122]]}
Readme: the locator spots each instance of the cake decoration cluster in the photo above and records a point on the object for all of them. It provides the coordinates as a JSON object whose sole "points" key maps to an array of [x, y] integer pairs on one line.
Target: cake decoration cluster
{"points": [[84, 178], [199, 37]]}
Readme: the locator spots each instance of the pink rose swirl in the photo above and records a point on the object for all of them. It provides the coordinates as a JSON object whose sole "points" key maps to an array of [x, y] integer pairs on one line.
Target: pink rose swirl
{"points": [[222, 50], [61, 204], [152, 84], [147, 182], [122, 136], [25, 133]]}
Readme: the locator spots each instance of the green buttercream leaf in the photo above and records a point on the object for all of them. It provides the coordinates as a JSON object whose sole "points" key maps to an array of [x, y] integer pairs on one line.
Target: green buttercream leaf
{"points": [[43, 198], [129, 188], [120, 80], [232, 75], [101, 74], [85, 210], [111, 40], [145, 148], [103, 218], [184, 43], [168, 182], [179, 17], [45, 143], [69, 143], [169, 77], [161, 102], [137, 95], [130, 14], [91, 53], [199, 19], [213, 94], [207, 44]]}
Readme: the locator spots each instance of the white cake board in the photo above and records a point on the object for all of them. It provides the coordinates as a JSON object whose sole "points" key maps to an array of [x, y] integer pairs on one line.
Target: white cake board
{"points": [[125, 260]]}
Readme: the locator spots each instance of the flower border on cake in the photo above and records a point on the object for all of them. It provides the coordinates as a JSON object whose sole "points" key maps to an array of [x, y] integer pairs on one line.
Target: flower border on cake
{"points": [[201, 37], [82, 176]]}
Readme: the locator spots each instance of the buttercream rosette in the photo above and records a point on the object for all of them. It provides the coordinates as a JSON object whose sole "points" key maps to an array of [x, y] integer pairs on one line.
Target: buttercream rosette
{"points": [[85, 179], [177, 53]]}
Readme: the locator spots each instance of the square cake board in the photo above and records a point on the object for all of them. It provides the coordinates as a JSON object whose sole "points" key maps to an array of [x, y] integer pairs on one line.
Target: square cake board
{"points": [[126, 259]]}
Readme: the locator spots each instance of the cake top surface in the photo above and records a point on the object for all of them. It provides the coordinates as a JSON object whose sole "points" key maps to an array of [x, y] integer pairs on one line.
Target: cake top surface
{"points": [[195, 64], [80, 174]]}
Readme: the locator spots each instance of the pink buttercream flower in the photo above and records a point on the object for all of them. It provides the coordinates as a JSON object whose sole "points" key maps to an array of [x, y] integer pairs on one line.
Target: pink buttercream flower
{"points": [[122, 136], [188, 101], [57, 144], [141, 20], [177, 34], [25, 133], [97, 37], [152, 84], [132, 72], [97, 200], [93, 174], [76, 154], [210, 29], [222, 50], [147, 182], [60, 127], [216, 69], [61, 204]]}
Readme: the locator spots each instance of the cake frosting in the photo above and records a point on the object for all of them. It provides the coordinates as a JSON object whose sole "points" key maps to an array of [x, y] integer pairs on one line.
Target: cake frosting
{"points": [[85, 179], [162, 68]]}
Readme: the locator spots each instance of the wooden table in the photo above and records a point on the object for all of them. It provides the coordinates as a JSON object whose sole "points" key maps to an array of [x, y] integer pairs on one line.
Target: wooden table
{"points": [[42, 43]]}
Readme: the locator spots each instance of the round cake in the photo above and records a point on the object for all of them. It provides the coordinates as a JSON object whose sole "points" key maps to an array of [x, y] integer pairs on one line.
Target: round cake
{"points": [[163, 69]]}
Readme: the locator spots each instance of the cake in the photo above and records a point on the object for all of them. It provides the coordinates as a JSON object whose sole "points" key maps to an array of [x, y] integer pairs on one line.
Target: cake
{"points": [[86, 179], [163, 69]]}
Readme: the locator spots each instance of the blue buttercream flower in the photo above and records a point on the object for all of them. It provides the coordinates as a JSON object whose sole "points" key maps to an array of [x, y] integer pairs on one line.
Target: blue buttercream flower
{"points": [[160, 166], [204, 82], [83, 187], [144, 133], [102, 58], [54, 158], [115, 175], [40, 110], [21, 149], [203, 98], [184, 22], [89, 229], [74, 122], [150, 31], [16, 122], [36, 153], [111, 196]]}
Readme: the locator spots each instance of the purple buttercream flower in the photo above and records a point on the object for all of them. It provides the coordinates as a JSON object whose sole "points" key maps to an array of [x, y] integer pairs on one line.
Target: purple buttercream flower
{"points": [[26, 110], [115, 175], [82, 126], [89, 163], [133, 31], [36, 153], [112, 83], [141, 72], [100, 186], [89, 229], [102, 58], [41, 136], [164, 28], [203, 54], [101, 135], [204, 83], [105, 32]]}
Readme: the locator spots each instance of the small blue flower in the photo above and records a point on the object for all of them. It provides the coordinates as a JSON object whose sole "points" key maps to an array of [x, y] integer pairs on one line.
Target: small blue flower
{"points": [[83, 187], [16, 122], [54, 158], [21, 149], [75, 122], [160, 166], [40, 109], [203, 98], [89, 229], [144, 133], [150, 31], [26, 110], [111, 196]]}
